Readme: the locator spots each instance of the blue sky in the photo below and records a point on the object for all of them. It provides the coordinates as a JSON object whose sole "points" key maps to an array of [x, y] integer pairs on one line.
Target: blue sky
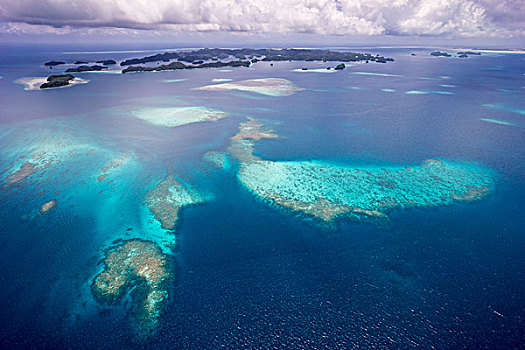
{"points": [[332, 22]]}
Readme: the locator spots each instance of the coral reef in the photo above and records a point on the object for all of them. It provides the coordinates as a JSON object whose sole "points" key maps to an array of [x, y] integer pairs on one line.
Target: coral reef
{"points": [[327, 191], [139, 266], [112, 164], [26, 169], [168, 197], [217, 159], [46, 207], [242, 144]]}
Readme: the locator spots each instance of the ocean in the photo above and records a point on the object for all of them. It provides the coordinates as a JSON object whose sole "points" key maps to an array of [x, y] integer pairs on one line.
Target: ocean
{"points": [[246, 272]]}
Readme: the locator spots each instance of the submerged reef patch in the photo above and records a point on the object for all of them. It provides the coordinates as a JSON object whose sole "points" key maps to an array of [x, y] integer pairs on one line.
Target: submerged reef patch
{"points": [[242, 145], [114, 163], [31, 154], [137, 266], [326, 191], [25, 170], [218, 159], [177, 116], [167, 198], [266, 86], [48, 206]]}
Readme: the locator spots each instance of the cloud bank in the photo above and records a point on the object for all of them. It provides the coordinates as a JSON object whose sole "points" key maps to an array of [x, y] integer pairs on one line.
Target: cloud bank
{"points": [[461, 18]]}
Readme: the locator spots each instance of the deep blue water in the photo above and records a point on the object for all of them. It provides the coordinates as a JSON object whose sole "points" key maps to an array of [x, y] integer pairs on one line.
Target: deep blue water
{"points": [[248, 275]]}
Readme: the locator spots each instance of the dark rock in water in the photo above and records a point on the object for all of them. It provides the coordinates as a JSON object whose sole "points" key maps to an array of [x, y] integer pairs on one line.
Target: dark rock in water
{"points": [[107, 62], [57, 81], [340, 66], [81, 62], [439, 53], [412, 54], [85, 69], [271, 64], [304, 68], [380, 61], [197, 62], [469, 53], [54, 63], [462, 56], [255, 60]]}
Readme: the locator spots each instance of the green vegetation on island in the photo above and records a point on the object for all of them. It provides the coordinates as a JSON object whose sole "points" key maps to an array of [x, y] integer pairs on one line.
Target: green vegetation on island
{"points": [[53, 63], [440, 54], [107, 62], [180, 65], [54, 81], [260, 54], [469, 53], [79, 69]]}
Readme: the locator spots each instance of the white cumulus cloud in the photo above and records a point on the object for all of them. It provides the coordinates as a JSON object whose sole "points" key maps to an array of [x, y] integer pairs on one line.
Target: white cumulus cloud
{"points": [[340, 17]]}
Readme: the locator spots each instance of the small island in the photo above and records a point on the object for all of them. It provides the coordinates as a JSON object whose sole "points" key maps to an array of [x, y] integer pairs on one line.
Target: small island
{"points": [[54, 81], [107, 62], [440, 54], [469, 53], [53, 63], [80, 69]]}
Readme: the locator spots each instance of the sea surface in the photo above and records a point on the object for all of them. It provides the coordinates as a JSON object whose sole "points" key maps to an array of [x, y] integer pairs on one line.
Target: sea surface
{"points": [[248, 274]]}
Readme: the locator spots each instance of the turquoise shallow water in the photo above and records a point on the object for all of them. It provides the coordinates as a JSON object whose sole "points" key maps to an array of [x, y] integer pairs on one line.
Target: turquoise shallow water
{"points": [[250, 274]]}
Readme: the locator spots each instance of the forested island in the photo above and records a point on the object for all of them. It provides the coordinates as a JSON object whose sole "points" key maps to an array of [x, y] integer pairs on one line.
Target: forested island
{"points": [[83, 68], [259, 55], [220, 58], [179, 65], [245, 57], [54, 81]]}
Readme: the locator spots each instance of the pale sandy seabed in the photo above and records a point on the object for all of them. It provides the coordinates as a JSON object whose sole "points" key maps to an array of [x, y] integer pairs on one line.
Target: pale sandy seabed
{"points": [[267, 86], [177, 116]]}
